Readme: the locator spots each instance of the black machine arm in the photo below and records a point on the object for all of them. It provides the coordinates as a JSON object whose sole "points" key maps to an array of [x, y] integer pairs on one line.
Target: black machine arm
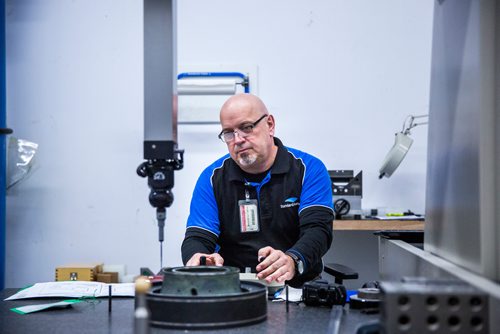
{"points": [[160, 174], [161, 155]]}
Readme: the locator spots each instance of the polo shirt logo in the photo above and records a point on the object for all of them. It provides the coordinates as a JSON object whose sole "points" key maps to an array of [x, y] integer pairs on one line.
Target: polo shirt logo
{"points": [[289, 202]]}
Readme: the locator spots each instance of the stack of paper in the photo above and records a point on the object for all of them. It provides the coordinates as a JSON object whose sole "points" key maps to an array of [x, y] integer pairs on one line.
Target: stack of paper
{"points": [[75, 289]]}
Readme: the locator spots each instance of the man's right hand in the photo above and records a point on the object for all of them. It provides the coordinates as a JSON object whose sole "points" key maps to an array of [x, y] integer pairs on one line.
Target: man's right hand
{"points": [[275, 265], [212, 260]]}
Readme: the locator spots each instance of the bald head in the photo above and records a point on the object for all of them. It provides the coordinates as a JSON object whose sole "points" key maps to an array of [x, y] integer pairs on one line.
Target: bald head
{"points": [[247, 104]]}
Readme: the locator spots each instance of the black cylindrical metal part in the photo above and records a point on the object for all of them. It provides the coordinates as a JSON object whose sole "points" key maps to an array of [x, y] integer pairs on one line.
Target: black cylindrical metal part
{"points": [[206, 297], [200, 281], [247, 307]]}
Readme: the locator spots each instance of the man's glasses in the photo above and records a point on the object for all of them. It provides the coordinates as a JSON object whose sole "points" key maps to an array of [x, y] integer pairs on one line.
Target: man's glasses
{"points": [[243, 131]]}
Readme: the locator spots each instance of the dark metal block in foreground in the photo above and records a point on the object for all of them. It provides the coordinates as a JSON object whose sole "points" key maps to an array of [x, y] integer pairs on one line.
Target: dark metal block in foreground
{"points": [[420, 305]]}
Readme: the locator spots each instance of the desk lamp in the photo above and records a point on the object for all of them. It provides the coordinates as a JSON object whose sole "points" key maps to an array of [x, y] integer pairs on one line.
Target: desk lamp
{"points": [[401, 146]]}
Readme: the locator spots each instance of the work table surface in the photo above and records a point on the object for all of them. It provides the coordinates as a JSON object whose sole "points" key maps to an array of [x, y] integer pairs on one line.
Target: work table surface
{"points": [[378, 225], [93, 317]]}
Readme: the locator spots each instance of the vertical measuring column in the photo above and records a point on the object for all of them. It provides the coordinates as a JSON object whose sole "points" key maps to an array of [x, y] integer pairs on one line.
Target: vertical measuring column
{"points": [[2, 144], [160, 107], [160, 78]]}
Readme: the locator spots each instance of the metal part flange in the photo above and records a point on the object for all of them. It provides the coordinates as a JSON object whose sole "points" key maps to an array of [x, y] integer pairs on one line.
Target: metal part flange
{"points": [[206, 297]]}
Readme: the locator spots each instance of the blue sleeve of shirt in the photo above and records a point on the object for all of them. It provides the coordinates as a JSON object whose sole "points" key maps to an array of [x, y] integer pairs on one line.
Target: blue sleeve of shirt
{"points": [[203, 210], [316, 187]]}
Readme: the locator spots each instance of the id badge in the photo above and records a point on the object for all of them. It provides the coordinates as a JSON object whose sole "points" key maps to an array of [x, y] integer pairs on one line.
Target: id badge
{"points": [[249, 215]]}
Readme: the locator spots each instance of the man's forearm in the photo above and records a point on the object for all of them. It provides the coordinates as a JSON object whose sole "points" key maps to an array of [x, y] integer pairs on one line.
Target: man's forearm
{"points": [[316, 234], [313, 244], [194, 243]]}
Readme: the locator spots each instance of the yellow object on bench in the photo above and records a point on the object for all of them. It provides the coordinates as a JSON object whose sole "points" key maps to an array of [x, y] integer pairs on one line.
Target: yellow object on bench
{"points": [[78, 272]]}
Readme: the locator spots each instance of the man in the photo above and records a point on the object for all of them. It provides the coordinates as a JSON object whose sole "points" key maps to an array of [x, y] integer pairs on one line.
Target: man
{"points": [[263, 208]]}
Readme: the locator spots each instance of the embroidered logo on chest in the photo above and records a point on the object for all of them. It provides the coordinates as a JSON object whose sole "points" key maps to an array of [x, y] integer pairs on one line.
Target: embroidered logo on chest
{"points": [[290, 202]]}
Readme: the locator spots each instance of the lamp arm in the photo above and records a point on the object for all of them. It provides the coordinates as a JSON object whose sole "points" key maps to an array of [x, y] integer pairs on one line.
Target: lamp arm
{"points": [[412, 123]]}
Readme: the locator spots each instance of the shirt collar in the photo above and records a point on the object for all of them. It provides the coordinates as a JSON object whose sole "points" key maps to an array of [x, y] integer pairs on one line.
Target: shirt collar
{"points": [[280, 165]]}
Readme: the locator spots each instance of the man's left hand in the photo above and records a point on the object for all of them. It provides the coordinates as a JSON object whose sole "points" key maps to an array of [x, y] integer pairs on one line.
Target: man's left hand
{"points": [[274, 265]]}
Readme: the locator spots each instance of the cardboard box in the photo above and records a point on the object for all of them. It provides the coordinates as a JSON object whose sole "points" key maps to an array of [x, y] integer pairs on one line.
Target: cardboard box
{"points": [[78, 272], [107, 277]]}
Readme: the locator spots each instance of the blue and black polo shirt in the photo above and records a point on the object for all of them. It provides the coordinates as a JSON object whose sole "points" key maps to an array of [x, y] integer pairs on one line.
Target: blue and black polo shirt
{"points": [[295, 211]]}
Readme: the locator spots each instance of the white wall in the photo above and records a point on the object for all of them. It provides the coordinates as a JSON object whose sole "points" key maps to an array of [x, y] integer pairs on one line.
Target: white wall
{"points": [[339, 76]]}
